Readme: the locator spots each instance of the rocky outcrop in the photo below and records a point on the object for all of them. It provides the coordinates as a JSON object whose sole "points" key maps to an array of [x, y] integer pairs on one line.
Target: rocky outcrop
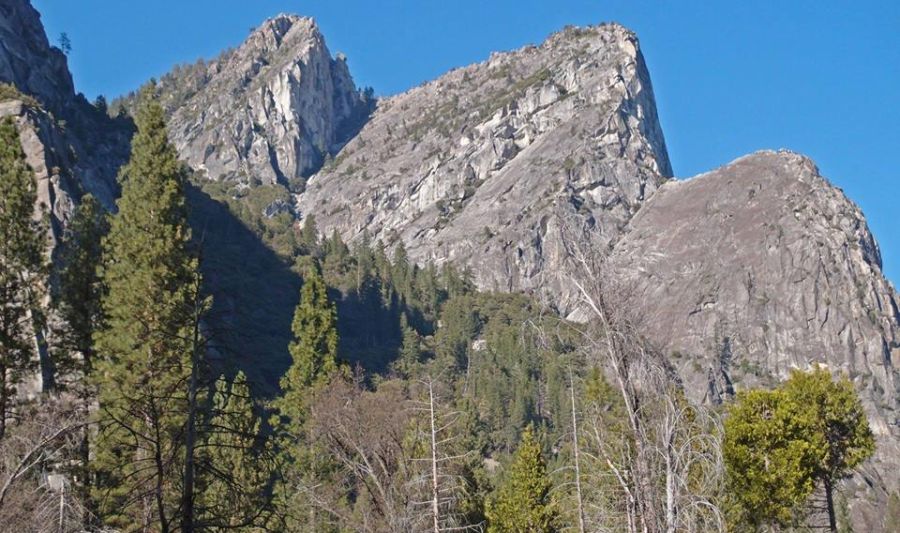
{"points": [[759, 267], [479, 166], [85, 143], [271, 110]]}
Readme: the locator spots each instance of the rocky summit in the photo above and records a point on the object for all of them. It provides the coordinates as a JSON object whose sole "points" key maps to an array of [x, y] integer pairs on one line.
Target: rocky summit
{"points": [[272, 109], [739, 275]]}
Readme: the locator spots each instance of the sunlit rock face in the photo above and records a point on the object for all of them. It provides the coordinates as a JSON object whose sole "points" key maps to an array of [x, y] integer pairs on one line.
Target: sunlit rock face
{"points": [[271, 110], [480, 166]]}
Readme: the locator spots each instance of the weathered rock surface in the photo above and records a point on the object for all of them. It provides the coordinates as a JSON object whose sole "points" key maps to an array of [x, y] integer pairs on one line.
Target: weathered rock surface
{"points": [[272, 110], [479, 166], [759, 267]]}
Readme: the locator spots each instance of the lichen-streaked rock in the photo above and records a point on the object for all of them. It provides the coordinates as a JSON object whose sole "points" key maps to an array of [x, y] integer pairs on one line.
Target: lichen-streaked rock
{"points": [[479, 166]]}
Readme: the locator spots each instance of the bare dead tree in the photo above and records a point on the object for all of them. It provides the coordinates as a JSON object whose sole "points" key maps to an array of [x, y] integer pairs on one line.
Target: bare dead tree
{"points": [[576, 451], [446, 485], [37, 488], [667, 462], [366, 434]]}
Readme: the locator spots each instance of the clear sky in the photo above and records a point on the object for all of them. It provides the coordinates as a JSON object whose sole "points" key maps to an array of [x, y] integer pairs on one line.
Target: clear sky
{"points": [[818, 77]]}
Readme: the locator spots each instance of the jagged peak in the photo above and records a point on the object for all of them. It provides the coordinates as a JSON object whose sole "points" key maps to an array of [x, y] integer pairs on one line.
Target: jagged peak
{"points": [[284, 24]]}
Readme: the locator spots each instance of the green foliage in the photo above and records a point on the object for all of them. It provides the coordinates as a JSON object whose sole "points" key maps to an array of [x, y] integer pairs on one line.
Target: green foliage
{"points": [[837, 418], [780, 445], [145, 344], [22, 266], [523, 503], [770, 455], [9, 91], [314, 349], [314, 364]]}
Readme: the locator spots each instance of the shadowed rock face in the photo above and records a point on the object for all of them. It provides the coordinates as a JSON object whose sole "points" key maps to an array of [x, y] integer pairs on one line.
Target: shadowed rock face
{"points": [[479, 166], [761, 266], [273, 109]]}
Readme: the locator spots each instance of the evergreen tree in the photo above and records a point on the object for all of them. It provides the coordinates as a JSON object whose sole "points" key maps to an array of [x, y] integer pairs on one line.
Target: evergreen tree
{"points": [[779, 445], [314, 348], [148, 345], [22, 268], [523, 503], [838, 421], [410, 351], [79, 287], [236, 462], [770, 456]]}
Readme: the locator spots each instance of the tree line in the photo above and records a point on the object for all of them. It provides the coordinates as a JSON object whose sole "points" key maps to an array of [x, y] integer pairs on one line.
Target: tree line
{"points": [[413, 401]]}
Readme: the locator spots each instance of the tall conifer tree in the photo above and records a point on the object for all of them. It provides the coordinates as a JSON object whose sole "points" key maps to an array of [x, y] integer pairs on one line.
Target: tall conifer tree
{"points": [[22, 243], [148, 345], [314, 348], [314, 355], [236, 462]]}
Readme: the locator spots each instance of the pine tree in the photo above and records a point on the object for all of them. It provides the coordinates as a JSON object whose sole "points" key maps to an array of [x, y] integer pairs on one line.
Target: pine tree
{"points": [[410, 350], [148, 345], [22, 268], [770, 456], [236, 461], [523, 503], [79, 287]]}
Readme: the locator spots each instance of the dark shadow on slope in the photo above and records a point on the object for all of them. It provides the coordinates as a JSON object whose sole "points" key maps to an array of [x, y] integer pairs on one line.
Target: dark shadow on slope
{"points": [[254, 294], [369, 329]]}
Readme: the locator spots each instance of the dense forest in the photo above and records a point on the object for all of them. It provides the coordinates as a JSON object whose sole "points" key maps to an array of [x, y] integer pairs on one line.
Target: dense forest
{"points": [[413, 401]]}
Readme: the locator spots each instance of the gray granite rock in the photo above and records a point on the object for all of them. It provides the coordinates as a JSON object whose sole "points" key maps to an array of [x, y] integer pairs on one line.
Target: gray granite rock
{"points": [[271, 110], [760, 267], [478, 166]]}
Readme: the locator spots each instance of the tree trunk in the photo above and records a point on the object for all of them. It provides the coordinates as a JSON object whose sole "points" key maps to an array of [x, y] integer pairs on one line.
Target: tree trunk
{"points": [[576, 453], [435, 507], [829, 501], [4, 401], [190, 438]]}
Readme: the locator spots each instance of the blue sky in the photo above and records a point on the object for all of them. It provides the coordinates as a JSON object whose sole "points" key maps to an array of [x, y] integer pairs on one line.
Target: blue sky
{"points": [[818, 77]]}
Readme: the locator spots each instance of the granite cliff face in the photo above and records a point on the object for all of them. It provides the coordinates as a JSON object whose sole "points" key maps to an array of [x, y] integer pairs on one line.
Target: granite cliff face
{"points": [[28, 60], [741, 274], [479, 166], [762, 266], [271, 110]]}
